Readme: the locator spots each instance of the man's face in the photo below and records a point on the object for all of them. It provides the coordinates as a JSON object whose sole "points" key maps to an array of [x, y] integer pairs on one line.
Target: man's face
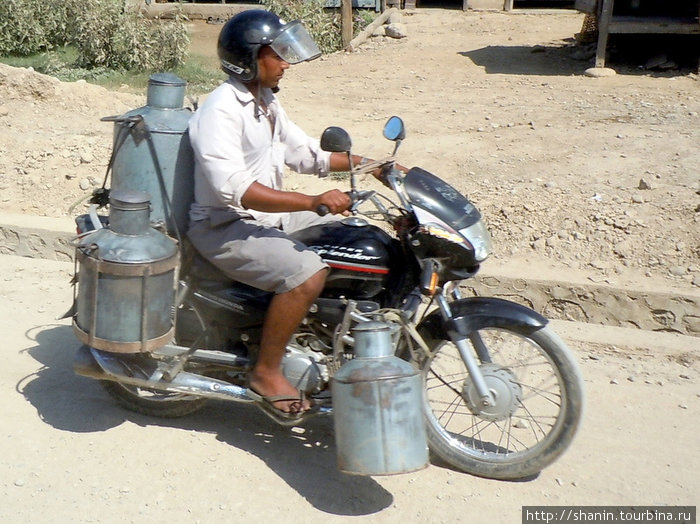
{"points": [[270, 67]]}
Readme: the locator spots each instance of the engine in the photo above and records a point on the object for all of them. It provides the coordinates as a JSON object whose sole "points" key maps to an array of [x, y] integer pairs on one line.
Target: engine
{"points": [[305, 368]]}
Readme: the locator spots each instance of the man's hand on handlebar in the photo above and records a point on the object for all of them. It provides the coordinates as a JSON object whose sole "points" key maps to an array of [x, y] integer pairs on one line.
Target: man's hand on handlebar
{"points": [[333, 201]]}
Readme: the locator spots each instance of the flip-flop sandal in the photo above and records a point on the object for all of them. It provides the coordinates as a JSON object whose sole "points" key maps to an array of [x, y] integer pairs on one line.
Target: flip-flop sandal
{"points": [[266, 404]]}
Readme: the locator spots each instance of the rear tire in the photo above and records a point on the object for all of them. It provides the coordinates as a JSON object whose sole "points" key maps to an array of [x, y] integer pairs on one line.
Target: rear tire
{"points": [[539, 403], [155, 403], [151, 402]]}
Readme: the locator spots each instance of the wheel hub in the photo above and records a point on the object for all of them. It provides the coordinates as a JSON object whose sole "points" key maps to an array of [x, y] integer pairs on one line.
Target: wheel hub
{"points": [[504, 388]]}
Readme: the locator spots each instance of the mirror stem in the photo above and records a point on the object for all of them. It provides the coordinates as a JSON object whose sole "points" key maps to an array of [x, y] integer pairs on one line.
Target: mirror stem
{"points": [[352, 172]]}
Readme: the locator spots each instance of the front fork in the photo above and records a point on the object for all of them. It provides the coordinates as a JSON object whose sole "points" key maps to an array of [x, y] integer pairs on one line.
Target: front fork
{"points": [[463, 346]]}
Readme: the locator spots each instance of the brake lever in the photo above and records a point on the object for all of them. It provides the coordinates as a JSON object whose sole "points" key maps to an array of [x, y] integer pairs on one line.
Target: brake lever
{"points": [[358, 197]]}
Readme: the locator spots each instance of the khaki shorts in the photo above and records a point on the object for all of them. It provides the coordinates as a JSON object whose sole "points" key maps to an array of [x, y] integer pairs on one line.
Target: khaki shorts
{"points": [[262, 257]]}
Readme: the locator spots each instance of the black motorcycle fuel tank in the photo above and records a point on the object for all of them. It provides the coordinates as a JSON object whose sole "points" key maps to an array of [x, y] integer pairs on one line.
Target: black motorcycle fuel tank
{"points": [[360, 256]]}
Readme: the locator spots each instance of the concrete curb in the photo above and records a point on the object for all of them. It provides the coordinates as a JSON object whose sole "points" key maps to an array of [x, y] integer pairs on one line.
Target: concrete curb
{"points": [[644, 303], [570, 296], [37, 237]]}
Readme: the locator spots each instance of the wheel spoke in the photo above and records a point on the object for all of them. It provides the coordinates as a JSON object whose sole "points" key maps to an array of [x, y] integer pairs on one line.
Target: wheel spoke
{"points": [[528, 405], [535, 422], [549, 396]]}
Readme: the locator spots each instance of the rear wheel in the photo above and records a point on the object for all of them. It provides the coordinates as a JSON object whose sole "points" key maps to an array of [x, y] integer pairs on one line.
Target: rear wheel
{"points": [[151, 402], [538, 397], [157, 403]]}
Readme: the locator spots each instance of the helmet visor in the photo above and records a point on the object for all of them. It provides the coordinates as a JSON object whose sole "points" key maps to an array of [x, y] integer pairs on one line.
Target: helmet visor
{"points": [[294, 44]]}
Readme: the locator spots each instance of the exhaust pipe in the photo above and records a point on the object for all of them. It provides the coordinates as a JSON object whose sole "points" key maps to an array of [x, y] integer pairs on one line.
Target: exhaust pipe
{"points": [[143, 372]]}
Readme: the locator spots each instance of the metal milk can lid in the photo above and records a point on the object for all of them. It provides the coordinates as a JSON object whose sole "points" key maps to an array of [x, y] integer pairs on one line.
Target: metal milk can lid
{"points": [[373, 339], [166, 79]]}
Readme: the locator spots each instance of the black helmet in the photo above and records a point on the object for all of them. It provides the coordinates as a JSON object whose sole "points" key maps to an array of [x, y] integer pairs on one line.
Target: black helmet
{"points": [[243, 35]]}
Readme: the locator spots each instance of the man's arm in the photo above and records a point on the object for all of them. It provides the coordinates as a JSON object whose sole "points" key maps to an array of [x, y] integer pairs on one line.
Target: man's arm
{"points": [[263, 198]]}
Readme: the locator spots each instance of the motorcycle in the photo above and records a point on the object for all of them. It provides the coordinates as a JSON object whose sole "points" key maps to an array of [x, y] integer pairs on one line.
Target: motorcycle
{"points": [[502, 395]]}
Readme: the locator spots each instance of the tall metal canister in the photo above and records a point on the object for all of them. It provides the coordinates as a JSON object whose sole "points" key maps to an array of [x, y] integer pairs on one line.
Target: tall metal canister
{"points": [[377, 408], [126, 280], [152, 152]]}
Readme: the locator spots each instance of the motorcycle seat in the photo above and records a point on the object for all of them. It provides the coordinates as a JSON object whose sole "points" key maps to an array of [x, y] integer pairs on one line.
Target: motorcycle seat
{"points": [[200, 269]]}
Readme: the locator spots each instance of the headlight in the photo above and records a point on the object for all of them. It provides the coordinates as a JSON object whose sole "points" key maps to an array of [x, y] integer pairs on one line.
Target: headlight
{"points": [[479, 237], [440, 232]]}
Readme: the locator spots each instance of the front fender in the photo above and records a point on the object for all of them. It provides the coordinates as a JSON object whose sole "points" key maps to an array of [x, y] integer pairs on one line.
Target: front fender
{"points": [[474, 313]]}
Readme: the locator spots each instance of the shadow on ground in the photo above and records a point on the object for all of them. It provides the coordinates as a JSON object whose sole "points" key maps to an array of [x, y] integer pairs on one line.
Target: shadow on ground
{"points": [[527, 60], [304, 460], [661, 56]]}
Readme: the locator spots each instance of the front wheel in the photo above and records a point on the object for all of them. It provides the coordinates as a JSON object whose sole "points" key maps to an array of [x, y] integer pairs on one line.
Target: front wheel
{"points": [[538, 404]]}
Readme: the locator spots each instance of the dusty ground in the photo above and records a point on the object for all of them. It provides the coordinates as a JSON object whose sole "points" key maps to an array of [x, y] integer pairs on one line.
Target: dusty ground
{"points": [[595, 176]]}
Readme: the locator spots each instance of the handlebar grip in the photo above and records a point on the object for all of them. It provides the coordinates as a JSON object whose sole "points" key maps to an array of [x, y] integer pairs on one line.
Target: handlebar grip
{"points": [[322, 210]]}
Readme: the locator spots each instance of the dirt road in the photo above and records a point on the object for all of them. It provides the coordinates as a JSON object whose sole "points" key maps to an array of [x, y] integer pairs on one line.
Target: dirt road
{"points": [[71, 454]]}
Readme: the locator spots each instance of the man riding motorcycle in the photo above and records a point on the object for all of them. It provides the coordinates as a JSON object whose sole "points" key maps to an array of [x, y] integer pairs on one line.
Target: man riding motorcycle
{"points": [[241, 217]]}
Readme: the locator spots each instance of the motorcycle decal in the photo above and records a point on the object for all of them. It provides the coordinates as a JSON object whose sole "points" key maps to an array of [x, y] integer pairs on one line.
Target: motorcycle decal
{"points": [[359, 267], [342, 252]]}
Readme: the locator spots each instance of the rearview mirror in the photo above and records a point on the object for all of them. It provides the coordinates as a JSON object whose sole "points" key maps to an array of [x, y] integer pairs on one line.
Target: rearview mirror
{"points": [[394, 129], [336, 140]]}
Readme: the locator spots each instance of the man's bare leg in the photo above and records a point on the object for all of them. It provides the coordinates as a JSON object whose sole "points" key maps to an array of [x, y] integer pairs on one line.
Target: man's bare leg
{"points": [[284, 315]]}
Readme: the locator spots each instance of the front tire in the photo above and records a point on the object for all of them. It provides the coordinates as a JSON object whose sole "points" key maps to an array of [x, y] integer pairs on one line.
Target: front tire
{"points": [[539, 401]]}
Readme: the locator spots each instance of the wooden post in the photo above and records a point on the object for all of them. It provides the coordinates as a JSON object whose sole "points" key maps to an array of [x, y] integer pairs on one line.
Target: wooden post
{"points": [[364, 35], [603, 29], [346, 21]]}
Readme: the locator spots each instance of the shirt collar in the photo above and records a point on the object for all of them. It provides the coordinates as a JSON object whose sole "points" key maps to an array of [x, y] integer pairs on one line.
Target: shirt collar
{"points": [[244, 95]]}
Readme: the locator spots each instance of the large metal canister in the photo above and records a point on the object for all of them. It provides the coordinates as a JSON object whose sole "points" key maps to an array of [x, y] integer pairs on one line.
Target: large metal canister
{"points": [[126, 280], [377, 408], [152, 152]]}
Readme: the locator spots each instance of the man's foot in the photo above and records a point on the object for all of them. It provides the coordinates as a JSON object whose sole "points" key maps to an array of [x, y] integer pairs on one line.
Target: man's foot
{"points": [[277, 393], [267, 404]]}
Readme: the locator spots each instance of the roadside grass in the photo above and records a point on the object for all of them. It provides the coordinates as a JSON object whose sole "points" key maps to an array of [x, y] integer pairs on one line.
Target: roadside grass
{"points": [[201, 72]]}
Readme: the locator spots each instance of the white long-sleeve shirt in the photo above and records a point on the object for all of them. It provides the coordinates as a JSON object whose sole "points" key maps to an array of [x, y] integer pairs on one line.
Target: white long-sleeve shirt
{"points": [[234, 148]]}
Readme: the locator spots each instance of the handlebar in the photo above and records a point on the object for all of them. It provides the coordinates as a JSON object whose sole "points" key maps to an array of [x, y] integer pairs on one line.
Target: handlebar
{"points": [[356, 198], [322, 210]]}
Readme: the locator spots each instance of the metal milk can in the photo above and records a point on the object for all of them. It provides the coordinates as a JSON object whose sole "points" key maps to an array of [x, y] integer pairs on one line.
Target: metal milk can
{"points": [[152, 152], [377, 408], [126, 280]]}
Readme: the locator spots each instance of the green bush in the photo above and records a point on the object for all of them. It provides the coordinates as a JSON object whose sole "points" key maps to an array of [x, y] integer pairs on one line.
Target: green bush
{"points": [[21, 30], [108, 36], [103, 32]]}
